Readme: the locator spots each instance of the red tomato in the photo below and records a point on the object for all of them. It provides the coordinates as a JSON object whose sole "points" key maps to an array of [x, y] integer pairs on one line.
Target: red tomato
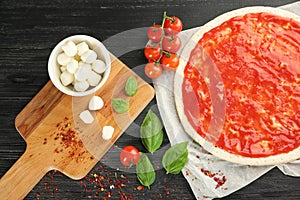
{"points": [[153, 70], [170, 61], [129, 156], [155, 33], [152, 53], [173, 25], [171, 44]]}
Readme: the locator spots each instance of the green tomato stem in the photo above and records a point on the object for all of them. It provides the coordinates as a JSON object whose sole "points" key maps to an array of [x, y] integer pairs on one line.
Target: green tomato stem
{"points": [[163, 36], [164, 19], [167, 53]]}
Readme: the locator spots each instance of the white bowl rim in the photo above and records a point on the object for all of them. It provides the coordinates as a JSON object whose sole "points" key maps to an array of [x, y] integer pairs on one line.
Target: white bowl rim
{"points": [[52, 58]]}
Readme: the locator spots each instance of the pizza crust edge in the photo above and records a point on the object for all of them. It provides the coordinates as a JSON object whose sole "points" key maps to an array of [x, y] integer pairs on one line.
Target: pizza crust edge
{"points": [[178, 79]]}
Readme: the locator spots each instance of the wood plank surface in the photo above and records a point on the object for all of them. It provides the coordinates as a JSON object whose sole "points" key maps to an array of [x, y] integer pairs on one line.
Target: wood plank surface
{"points": [[57, 139], [30, 29]]}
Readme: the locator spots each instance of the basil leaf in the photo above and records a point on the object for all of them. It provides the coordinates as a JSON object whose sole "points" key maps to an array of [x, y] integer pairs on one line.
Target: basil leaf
{"points": [[153, 143], [145, 171], [151, 132], [131, 86], [120, 105], [175, 158]]}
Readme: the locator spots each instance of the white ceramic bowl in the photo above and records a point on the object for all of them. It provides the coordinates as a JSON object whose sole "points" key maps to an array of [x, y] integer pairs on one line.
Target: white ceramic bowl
{"points": [[54, 67]]}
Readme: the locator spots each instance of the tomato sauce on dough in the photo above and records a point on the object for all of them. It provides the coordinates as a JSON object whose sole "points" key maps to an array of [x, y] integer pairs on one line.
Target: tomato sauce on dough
{"points": [[258, 59]]}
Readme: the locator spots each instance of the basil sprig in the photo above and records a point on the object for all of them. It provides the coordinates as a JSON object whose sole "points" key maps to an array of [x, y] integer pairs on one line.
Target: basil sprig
{"points": [[151, 132], [131, 86], [175, 158], [145, 171], [120, 105]]}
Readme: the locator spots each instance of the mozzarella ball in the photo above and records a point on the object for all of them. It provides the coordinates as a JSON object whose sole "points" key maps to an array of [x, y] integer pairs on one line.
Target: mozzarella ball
{"points": [[72, 66], [63, 59], [93, 78], [81, 86], [82, 48], [107, 132], [66, 78], [83, 72], [96, 103], [99, 66], [70, 48], [86, 117], [89, 56]]}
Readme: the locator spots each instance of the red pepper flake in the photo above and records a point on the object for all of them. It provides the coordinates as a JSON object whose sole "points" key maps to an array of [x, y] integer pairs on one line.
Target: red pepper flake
{"points": [[207, 173], [56, 150], [69, 139], [140, 187], [220, 181], [45, 141], [217, 177], [105, 186]]}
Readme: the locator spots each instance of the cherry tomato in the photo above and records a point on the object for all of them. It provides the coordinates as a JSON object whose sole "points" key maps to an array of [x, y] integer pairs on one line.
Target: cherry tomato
{"points": [[173, 25], [129, 156], [152, 53], [170, 61], [155, 33], [171, 44], [153, 70]]}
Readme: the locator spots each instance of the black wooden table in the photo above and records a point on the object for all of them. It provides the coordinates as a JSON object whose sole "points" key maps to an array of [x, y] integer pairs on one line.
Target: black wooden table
{"points": [[29, 30]]}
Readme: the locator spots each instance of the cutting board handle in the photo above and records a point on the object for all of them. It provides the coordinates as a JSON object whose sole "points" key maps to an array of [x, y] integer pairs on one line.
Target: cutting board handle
{"points": [[20, 179]]}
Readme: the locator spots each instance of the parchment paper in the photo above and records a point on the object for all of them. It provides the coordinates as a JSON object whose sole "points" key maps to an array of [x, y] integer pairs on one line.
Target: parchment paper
{"points": [[203, 170]]}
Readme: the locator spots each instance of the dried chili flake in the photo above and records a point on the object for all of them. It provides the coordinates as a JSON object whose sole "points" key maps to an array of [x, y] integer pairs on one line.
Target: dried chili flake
{"points": [[140, 187], [68, 139], [220, 181], [37, 194], [56, 150], [105, 186], [218, 177], [187, 173], [207, 173], [122, 176]]}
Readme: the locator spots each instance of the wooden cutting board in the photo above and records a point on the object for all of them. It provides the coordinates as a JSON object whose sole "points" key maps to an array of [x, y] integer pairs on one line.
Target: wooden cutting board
{"points": [[56, 137]]}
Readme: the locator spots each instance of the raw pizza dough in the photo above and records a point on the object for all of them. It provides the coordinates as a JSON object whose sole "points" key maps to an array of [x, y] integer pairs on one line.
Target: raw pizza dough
{"points": [[178, 81]]}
